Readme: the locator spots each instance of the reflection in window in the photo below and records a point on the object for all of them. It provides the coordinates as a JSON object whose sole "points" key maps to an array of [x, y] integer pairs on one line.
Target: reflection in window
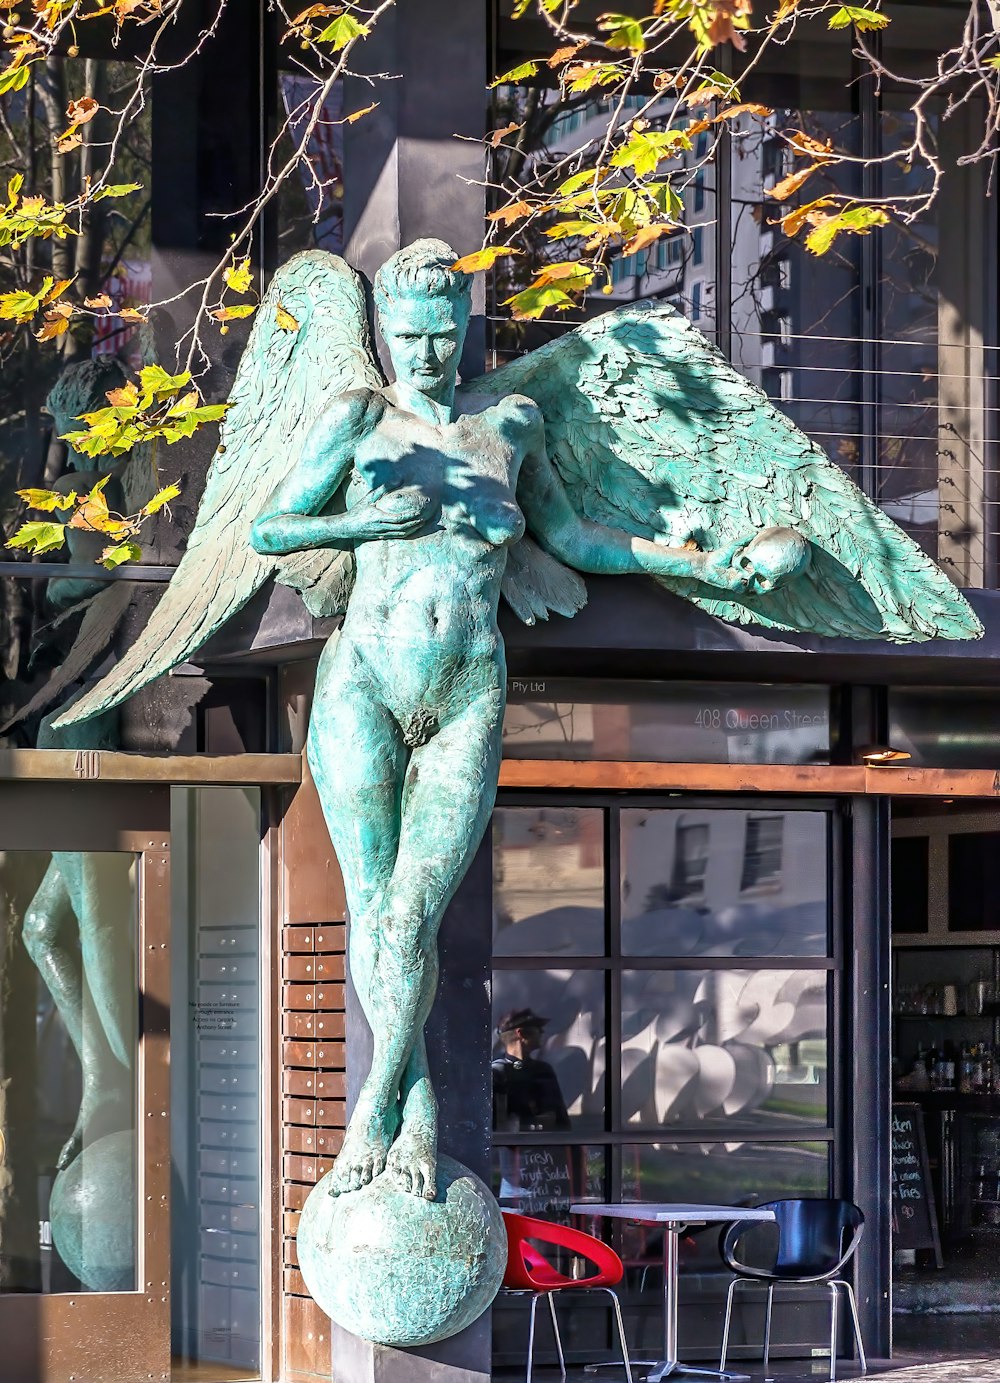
{"points": [[762, 852], [70, 1016], [549, 1057], [548, 881], [724, 1173], [704, 1046], [685, 892]]}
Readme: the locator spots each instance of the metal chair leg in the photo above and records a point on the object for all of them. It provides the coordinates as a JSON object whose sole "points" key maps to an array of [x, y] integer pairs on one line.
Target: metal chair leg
{"points": [[531, 1337], [725, 1328], [555, 1330], [833, 1331], [621, 1332], [767, 1327], [851, 1301]]}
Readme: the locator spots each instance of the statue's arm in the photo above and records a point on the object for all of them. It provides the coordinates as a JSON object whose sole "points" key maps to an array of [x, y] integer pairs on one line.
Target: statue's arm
{"points": [[593, 547], [292, 519]]}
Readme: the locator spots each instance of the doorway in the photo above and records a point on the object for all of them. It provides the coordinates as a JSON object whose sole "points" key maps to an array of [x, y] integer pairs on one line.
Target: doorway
{"points": [[945, 884]]}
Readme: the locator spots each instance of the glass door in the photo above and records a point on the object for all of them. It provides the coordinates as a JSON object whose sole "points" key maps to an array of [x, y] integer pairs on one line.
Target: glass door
{"points": [[84, 1082]]}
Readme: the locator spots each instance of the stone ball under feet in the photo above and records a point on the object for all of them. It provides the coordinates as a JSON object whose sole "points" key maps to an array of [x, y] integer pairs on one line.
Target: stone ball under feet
{"points": [[92, 1212], [399, 1270]]}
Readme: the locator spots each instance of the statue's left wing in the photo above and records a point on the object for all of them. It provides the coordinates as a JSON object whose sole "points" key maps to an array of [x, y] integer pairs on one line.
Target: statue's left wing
{"points": [[653, 431], [310, 342]]}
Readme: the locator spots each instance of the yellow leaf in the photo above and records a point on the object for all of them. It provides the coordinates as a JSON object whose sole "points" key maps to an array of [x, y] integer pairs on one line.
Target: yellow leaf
{"points": [[125, 397], [114, 556], [285, 319], [795, 220], [483, 259], [132, 314], [102, 300], [162, 498], [238, 276], [359, 114], [57, 290], [234, 311], [47, 500], [568, 269]]}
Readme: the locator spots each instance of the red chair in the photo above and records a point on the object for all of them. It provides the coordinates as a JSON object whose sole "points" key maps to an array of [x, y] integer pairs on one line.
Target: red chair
{"points": [[529, 1271]]}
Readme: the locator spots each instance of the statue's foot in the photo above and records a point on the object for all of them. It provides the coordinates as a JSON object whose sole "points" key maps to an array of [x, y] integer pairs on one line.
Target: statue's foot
{"points": [[109, 1111], [366, 1144], [412, 1160]]}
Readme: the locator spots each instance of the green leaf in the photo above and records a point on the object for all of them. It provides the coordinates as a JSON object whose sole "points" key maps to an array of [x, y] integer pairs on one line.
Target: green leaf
{"points": [[859, 220], [118, 189], [38, 537], [14, 79], [344, 30], [644, 150], [47, 500], [584, 76], [861, 18], [113, 557], [517, 74], [161, 498], [532, 302], [158, 384], [622, 32]]}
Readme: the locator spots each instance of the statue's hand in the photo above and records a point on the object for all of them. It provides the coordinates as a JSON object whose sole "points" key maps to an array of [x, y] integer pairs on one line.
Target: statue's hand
{"points": [[395, 515], [771, 558]]}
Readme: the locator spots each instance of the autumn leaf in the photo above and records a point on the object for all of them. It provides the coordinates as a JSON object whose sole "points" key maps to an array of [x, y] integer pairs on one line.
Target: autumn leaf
{"points": [[114, 556], [516, 74], [53, 326], [238, 276], [125, 397], [745, 108], [161, 499], [38, 537], [506, 215], [622, 32], [132, 314], [858, 220], [564, 54], [804, 144], [646, 236], [793, 222], [233, 311], [781, 191], [483, 259], [533, 302], [285, 319], [862, 19], [68, 142], [102, 300], [356, 115], [571, 274], [497, 137], [47, 500], [82, 111], [584, 76]]}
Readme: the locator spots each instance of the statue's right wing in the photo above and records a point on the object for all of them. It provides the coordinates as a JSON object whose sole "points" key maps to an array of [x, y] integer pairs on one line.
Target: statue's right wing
{"points": [[287, 378]]}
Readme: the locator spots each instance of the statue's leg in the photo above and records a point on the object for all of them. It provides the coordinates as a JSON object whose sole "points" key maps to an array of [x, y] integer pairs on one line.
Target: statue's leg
{"points": [[99, 895], [447, 801], [358, 761]]}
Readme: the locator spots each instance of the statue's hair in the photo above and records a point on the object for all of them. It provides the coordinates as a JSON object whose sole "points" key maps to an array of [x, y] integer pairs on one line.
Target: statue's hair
{"points": [[422, 269], [83, 387]]}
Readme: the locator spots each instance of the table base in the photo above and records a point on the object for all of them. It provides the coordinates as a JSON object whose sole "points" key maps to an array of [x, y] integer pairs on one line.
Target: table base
{"points": [[664, 1368]]}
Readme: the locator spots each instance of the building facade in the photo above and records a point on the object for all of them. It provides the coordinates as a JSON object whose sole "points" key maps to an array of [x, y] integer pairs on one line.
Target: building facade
{"points": [[752, 946]]}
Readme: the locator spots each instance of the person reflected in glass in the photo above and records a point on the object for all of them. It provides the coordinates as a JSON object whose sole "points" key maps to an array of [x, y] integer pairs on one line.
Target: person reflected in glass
{"points": [[526, 1093]]}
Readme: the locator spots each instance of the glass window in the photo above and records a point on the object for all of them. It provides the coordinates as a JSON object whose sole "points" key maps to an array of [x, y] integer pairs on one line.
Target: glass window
{"points": [[728, 883], [946, 727], [70, 1008], [706, 1046], [724, 1173], [548, 881], [549, 1057]]}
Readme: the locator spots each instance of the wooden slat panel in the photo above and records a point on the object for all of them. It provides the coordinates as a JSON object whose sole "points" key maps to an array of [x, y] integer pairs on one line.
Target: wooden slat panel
{"points": [[293, 1196], [306, 1332], [290, 1221], [321, 1085], [295, 1283], [616, 775], [291, 1253], [308, 968], [312, 885], [300, 1167]]}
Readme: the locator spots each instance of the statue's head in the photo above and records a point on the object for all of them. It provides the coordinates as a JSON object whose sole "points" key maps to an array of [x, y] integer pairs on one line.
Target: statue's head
{"points": [[83, 387], [423, 310]]}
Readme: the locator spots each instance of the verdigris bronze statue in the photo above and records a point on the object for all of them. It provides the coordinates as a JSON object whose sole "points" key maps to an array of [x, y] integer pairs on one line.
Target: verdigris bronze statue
{"points": [[629, 445]]}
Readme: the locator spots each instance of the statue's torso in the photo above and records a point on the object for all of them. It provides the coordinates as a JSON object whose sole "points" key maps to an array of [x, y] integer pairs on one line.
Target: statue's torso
{"points": [[423, 609]]}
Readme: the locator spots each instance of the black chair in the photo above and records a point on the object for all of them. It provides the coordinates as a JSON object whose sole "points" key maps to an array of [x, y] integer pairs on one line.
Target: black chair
{"points": [[816, 1239]]}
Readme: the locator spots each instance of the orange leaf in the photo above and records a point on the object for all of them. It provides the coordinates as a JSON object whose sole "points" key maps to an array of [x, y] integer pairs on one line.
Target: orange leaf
{"points": [[795, 220], [483, 259], [645, 236], [498, 135], [562, 55], [781, 191], [52, 327], [745, 108], [102, 300], [80, 112], [68, 142], [514, 212], [56, 291], [125, 397], [803, 143]]}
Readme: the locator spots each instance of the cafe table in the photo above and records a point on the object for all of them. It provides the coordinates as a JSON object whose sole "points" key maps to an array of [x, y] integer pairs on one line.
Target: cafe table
{"points": [[675, 1219]]}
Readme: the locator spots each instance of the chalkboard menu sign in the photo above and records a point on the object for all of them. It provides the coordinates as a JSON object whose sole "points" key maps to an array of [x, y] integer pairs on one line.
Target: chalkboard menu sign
{"points": [[914, 1217]]}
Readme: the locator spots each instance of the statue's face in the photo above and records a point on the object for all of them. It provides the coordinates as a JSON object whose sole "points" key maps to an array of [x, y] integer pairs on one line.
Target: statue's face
{"points": [[425, 336]]}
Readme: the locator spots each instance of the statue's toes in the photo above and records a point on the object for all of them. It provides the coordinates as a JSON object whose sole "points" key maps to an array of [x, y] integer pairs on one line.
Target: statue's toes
{"points": [[425, 1181]]}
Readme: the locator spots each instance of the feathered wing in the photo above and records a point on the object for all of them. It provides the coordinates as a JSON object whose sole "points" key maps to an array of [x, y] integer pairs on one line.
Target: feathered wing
{"points": [[652, 430], [285, 381]]}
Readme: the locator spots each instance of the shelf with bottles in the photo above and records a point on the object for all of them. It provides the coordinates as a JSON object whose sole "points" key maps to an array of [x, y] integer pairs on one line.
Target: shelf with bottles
{"points": [[973, 1069]]}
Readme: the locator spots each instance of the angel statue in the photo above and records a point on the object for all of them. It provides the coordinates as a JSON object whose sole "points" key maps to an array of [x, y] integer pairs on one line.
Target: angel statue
{"points": [[629, 445]]}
